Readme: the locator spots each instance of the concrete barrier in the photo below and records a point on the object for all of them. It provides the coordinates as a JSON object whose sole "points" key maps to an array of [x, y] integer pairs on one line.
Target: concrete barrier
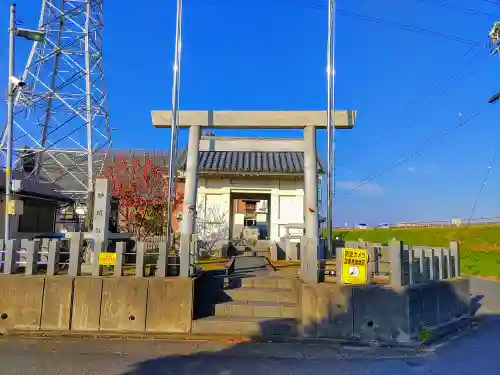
{"points": [[123, 306], [325, 311], [86, 304], [20, 302], [170, 305], [57, 303], [438, 306], [92, 304], [380, 313]]}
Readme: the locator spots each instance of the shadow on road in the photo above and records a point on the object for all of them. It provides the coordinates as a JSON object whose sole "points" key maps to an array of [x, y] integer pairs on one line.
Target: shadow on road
{"points": [[477, 352]]}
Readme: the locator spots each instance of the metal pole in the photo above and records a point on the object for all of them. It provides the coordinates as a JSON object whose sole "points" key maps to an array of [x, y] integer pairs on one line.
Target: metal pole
{"points": [[10, 121], [330, 120], [173, 133]]}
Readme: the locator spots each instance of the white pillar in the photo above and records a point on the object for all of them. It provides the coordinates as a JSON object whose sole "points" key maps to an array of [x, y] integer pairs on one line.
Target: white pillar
{"points": [[274, 212], [309, 255], [190, 193]]}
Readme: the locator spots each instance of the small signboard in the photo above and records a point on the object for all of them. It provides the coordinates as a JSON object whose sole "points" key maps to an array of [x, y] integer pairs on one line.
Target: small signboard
{"points": [[107, 259], [354, 266], [15, 207]]}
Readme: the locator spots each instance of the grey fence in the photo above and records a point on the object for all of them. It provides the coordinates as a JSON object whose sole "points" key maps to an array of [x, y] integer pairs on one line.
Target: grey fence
{"points": [[407, 264], [77, 256]]}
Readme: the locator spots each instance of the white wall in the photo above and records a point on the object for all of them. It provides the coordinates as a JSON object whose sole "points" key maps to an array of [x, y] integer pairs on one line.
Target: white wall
{"points": [[286, 205]]}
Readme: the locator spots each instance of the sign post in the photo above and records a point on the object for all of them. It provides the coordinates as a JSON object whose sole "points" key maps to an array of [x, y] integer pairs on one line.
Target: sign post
{"points": [[354, 267]]}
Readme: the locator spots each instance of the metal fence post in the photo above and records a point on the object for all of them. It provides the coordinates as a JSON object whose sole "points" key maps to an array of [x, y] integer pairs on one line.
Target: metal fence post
{"points": [[53, 258], [32, 251], [139, 259], [75, 251], [376, 259], [2, 253], [98, 249], [432, 264], [273, 251], [447, 255], [194, 254], [440, 264], [411, 264], [304, 254], [338, 264], [396, 249], [11, 256], [120, 251], [421, 264], [161, 263], [455, 253]]}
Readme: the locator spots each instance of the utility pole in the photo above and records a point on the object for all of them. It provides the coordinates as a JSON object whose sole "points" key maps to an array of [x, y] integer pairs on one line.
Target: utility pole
{"points": [[330, 123], [175, 118], [10, 121]]}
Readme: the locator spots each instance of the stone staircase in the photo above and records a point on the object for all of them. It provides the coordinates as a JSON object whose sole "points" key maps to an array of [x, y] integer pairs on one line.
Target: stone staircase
{"points": [[258, 304]]}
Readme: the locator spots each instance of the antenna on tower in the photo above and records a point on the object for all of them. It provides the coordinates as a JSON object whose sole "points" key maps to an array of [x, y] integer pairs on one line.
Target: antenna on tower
{"points": [[61, 116]]}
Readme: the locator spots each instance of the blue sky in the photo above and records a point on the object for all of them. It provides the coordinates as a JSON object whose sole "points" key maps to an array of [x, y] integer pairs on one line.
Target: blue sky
{"points": [[271, 55]]}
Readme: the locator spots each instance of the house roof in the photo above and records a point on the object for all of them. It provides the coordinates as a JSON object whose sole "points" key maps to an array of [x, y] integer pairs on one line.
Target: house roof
{"points": [[254, 162], [251, 162], [31, 189]]}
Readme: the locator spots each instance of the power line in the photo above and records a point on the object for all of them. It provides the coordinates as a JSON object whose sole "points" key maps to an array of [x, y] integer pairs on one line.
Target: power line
{"points": [[408, 27], [398, 161], [490, 166], [392, 128], [389, 23], [492, 2], [470, 11]]}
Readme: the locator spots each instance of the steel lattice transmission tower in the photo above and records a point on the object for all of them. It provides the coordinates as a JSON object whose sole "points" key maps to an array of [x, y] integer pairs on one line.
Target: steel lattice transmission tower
{"points": [[61, 130]]}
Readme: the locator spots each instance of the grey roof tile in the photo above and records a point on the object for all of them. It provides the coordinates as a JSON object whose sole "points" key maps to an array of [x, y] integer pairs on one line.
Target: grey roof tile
{"points": [[209, 162], [251, 162]]}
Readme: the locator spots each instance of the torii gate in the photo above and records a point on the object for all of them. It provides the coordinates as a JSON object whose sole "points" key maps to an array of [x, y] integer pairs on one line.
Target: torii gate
{"points": [[307, 120]]}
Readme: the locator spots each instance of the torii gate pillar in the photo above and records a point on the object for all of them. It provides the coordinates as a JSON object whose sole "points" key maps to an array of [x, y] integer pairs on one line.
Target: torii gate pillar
{"points": [[307, 120]]}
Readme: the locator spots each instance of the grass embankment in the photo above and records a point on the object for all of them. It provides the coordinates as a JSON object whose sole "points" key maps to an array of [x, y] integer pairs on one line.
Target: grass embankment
{"points": [[479, 245]]}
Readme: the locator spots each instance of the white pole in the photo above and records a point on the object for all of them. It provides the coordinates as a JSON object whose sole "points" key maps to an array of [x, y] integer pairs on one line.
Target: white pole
{"points": [[10, 122], [173, 133], [330, 121]]}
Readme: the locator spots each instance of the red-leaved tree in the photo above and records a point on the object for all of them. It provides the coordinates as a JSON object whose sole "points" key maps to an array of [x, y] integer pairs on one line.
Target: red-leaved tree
{"points": [[142, 188]]}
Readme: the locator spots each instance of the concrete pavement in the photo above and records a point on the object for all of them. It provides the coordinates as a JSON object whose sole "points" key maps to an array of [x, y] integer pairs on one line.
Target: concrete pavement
{"points": [[478, 353]]}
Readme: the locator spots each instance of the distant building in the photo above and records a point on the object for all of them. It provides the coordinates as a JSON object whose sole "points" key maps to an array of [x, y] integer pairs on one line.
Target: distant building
{"points": [[40, 203]]}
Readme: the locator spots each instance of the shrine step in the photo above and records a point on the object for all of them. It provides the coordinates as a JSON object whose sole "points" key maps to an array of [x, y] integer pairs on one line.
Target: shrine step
{"points": [[245, 326], [258, 295], [235, 281], [269, 310]]}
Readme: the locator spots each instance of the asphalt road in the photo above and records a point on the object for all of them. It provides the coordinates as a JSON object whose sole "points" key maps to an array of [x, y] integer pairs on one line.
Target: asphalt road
{"points": [[477, 353]]}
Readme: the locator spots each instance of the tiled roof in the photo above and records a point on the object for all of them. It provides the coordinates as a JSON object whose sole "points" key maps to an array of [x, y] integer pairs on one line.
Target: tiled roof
{"points": [[30, 188], [210, 162], [251, 162]]}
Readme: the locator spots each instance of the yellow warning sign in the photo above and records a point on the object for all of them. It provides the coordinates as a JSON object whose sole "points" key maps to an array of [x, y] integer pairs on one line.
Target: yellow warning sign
{"points": [[354, 266], [107, 259]]}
